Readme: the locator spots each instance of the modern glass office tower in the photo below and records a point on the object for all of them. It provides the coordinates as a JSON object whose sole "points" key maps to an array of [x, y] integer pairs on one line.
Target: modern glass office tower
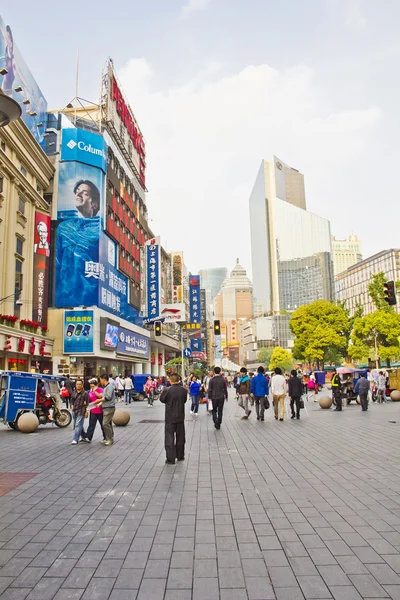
{"points": [[291, 247]]}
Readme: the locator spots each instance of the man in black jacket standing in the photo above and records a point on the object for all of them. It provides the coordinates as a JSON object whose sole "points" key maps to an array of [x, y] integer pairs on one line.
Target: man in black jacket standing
{"points": [[174, 398], [218, 393], [295, 393]]}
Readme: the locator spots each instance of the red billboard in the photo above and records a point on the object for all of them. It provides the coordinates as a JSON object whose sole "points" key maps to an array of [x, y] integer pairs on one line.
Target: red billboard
{"points": [[41, 259]]}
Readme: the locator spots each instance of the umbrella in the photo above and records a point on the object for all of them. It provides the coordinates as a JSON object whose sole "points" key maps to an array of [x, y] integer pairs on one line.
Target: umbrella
{"points": [[345, 370]]}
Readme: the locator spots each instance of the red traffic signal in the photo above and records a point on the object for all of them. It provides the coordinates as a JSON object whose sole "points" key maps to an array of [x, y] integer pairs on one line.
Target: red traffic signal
{"points": [[390, 293]]}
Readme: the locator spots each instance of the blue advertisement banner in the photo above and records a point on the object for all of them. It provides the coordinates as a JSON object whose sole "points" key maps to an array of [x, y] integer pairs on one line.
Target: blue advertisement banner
{"points": [[113, 285], [153, 278], [80, 201], [196, 345], [78, 331], [85, 147], [19, 83], [132, 343], [194, 298]]}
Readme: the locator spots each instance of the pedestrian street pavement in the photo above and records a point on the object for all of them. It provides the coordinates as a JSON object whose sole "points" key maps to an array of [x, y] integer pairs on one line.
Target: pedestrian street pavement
{"points": [[306, 509]]}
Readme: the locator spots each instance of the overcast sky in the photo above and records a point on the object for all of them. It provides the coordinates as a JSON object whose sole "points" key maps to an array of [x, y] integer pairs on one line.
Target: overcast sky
{"points": [[218, 85]]}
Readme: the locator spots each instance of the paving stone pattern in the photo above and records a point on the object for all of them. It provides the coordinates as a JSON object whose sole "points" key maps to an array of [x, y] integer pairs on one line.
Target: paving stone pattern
{"points": [[306, 509]]}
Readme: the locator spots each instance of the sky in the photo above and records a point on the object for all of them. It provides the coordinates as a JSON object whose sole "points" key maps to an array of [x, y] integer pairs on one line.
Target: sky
{"points": [[219, 85]]}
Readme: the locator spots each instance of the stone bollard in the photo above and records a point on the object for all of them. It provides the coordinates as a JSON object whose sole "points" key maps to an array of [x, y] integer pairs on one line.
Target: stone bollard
{"points": [[395, 396], [325, 402], [28, 423], [121, 418]]}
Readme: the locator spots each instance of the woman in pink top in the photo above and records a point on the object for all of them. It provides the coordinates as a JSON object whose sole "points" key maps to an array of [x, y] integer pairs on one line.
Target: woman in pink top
{"points": [[95, 414]]}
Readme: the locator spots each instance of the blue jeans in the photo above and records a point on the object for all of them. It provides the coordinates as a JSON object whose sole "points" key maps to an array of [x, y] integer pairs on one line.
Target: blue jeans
{"points": [[128, 396], [78, 425], [195, 403]]}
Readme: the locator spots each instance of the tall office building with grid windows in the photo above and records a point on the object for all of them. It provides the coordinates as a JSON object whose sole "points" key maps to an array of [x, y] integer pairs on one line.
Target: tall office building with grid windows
{"points": [[291, 247]]}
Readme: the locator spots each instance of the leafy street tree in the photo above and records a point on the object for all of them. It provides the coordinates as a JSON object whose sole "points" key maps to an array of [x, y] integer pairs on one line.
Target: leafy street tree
{"points": [[320, 328], [281, 358], [264, 356], [379, 331], [377, 292]]}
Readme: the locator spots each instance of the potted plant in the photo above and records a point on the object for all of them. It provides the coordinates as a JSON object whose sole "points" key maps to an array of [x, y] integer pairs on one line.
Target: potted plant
{"points": [[44, 329], [10, 320]]}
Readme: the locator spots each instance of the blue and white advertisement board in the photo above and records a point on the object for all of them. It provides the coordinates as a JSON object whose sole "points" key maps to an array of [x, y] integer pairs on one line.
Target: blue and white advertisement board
{"points": [[153, 259], [132, 343], [78, 331]]}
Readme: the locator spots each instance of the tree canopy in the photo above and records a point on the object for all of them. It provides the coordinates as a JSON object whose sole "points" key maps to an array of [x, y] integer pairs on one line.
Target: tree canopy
{"points": [[281, 358], [264, 356], [319, 328], [382, 328]]}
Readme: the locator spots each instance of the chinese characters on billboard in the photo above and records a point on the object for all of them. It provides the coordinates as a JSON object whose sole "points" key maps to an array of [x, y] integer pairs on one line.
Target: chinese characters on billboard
{"points": [[132, 343], [78, 331], [194, 293], [80, 201], [41, 254], [153, 278], [19, 83], [120, 114], [177, 276]]}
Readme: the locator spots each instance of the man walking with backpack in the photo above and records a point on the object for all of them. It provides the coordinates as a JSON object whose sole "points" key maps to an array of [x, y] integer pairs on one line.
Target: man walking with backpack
{"points": [[259, 391], [244, 392], [217, 393]]}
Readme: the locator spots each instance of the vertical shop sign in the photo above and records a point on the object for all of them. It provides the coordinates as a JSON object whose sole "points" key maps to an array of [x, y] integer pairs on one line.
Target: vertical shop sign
{"points": [[194, 291], [41, 254], [153, 278]]}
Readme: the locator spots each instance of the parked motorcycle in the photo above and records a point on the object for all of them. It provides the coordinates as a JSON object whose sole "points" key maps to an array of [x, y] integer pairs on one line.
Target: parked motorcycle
{"points": [[61, 416]]}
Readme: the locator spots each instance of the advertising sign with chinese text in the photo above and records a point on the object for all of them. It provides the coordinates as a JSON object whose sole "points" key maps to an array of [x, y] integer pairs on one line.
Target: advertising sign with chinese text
{"points": [[113, 285], [194, 298], [196, 345], [133, 344], [19, 83], [41, 254], [177, 276], [129, 136], [78, 331], [80, 202], [153, 260]]}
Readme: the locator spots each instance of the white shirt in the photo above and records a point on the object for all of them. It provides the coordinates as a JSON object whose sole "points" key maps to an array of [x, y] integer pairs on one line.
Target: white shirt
{"points": [[278, 385], [128, 383]]}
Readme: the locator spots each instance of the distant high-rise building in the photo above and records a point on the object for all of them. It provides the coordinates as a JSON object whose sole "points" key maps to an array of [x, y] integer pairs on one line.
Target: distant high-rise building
{"points": [[345, 253], [291, 247], [211, 281]]}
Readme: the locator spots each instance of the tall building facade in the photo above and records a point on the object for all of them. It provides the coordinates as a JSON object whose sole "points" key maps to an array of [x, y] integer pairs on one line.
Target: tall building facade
{"points": [[351, 286], [345, 253], [211, 280], [233, 306], [291, 247]]}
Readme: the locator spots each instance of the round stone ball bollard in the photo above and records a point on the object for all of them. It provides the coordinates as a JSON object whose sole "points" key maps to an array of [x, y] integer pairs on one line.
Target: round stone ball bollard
{"points": [[325, 402], [395, 396], [329, 386], [121, 418], [28, 423]]}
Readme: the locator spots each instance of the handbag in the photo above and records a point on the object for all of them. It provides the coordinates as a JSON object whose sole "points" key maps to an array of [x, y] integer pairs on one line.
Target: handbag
{"points": [[266, 404], [301, 403]]}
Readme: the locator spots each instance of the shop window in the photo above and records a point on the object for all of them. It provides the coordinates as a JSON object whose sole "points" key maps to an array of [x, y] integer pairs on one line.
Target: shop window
{"points": [[21, 205]]}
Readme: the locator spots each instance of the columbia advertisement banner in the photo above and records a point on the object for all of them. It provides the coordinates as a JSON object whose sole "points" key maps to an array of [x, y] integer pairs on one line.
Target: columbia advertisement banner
{"points": [[85, 147], [153, 260], [41, 259], [80, 204], [78, 331], [194, 292], [19, 83]]}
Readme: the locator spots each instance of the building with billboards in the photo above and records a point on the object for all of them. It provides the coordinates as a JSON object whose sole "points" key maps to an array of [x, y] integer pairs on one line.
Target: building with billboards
{"points": [[25, 235], [100, 226], [351, 286], [291, 247]]}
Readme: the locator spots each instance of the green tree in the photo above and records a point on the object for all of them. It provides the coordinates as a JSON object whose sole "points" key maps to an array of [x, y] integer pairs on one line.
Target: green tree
{"points": [[281, 358], [377, 292], [264, 356], [319, 328], [380, 330]]}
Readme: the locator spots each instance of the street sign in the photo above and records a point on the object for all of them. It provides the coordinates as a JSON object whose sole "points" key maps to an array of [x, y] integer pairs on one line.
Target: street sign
{"points": [[187, 352]]}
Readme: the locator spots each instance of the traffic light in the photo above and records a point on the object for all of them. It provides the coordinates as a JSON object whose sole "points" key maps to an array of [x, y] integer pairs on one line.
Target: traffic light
{"points": [[157, 328], [390, 293], [217, 327]]}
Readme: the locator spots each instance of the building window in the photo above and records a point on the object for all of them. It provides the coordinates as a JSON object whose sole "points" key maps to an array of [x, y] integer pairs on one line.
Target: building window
{"points": [[21, 205], [19, 246], [3, 146], [23, 171], [1, 185], [18, 277]]}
